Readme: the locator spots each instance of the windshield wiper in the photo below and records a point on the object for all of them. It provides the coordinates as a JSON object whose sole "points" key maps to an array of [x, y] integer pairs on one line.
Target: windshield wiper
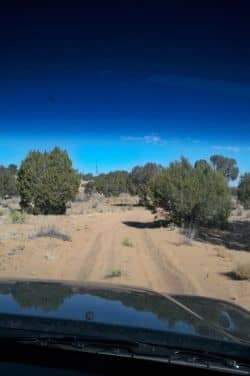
{"points": [[136, 349]]}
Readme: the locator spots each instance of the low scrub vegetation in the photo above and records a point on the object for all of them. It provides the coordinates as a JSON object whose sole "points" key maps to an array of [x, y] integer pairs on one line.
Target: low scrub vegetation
{"points": [[188, 234], [114, 274], [17, 216], [242, 271], [51, 232], [127, 242]]}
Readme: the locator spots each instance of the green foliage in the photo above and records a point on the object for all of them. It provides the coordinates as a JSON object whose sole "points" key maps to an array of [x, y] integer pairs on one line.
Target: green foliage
{"points": [[244, 190], [8, 180], [111, 184], [86, 177], [228, 166], [90, 188], [17, 216], [127, 243], [140, 178], [191, 195], [46, 181]]}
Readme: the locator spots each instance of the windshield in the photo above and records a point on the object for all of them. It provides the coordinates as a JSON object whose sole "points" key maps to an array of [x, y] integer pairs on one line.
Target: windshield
{"points": [[124, 160]]}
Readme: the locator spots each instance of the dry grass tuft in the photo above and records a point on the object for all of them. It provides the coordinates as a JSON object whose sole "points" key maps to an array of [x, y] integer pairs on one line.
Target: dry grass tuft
{"points": [[127, 242], [50, 232], [114, 273]]}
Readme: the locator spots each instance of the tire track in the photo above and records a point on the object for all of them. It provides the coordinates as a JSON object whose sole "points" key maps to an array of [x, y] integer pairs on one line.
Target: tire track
{"points": [[171, 277], [90, 259]]}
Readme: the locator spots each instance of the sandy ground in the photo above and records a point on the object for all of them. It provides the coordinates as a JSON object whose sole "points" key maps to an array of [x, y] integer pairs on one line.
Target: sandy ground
{"points": [[159, 258]]}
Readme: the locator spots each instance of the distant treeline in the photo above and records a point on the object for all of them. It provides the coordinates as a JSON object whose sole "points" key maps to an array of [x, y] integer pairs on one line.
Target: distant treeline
{"points": [[197, 193]]}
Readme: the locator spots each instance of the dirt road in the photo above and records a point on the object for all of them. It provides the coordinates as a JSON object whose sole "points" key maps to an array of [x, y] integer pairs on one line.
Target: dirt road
{"points": [[143, 264], [158, 258]]}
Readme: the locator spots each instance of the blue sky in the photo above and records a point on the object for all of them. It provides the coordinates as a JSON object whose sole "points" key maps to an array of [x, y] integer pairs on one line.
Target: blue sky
{"points": [[120, 85], [122, 152]]}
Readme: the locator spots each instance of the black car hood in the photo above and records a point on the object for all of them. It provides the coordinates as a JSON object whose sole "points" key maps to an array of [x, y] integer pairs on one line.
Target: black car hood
{"points": [[125, 307]]}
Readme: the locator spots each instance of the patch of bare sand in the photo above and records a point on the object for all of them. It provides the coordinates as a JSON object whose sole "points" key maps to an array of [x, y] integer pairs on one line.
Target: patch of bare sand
{"points": [[158, 258]]}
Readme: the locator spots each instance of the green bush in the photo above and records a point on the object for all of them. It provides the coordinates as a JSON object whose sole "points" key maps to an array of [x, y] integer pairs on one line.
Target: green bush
{"points": [[191, 195], [140, 177], [46, 182], [244, 190], [8, 181], [17, 216], [112, 184]]}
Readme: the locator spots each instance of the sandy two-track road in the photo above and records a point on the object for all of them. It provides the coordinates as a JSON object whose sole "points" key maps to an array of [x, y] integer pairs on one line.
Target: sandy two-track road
{"points": [[158, 258]]}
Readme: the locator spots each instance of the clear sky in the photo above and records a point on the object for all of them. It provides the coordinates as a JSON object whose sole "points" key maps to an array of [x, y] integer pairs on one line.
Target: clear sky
{"points": [[118, 85]]}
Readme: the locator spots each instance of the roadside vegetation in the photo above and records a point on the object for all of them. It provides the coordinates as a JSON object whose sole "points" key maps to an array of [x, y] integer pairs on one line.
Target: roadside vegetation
{"points": [[190, 195], [244, 190], [17, 216], [50, 232], [242, 272], [114, 274], [127, 243], [8, 185], [46, 182]]}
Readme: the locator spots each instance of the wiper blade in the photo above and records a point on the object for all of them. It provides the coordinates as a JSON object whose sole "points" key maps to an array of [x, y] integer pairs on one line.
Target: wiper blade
{"points": [[79, 342], [210, 361], [136, 349]]}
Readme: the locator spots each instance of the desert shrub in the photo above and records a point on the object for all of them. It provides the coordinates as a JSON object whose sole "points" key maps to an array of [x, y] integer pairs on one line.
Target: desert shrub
{"points": [[17, 216], [112, 184], [191, 195], [242, 271], [127, 242], [8, 181], [244, 190], [51, 232], [140, 177], [89, 188], [46, 182], [114, 273]]}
